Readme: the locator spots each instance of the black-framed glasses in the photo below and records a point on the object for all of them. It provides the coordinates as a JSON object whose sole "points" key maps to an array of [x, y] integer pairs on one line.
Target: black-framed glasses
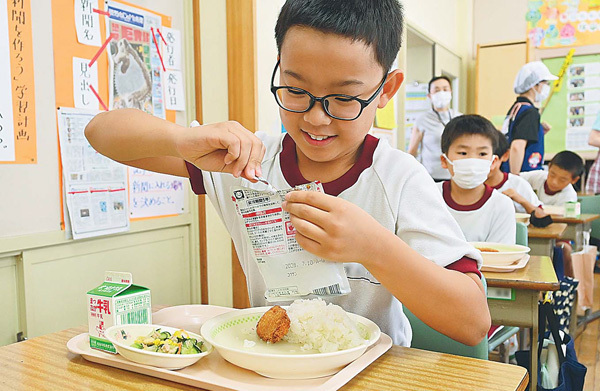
{"points": [[338, 106]]}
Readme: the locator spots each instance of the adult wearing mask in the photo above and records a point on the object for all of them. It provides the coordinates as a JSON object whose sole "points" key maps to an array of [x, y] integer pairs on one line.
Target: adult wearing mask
{"points": [[523, 128], [428, 129]]}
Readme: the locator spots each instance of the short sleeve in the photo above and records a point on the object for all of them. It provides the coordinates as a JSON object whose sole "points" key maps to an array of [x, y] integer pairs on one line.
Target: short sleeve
{"points": [[504, 226], [527, 126]]}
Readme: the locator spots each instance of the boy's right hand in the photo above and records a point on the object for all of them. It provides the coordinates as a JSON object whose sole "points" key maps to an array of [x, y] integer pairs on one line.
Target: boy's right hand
{"points": [[222, 147]]}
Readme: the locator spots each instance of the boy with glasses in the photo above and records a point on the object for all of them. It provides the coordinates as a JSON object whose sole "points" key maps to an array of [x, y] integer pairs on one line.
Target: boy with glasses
{"points": [[381, 215]]}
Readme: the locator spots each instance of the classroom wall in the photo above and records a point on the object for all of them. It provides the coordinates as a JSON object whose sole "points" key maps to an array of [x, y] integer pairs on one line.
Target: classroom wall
{"points": [[213, 25], [43, 275]]}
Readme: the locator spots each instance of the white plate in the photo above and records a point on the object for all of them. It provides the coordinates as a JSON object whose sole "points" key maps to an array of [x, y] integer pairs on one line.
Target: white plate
{"points": [[523, 218], [122, 336], [508, 268], [283, 360], [507, 253]]}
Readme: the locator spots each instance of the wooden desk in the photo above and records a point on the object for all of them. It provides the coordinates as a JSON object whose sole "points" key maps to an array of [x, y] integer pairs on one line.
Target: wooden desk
{"points": [[575, 227], [542, 240], [44, 363], [521, 290]]}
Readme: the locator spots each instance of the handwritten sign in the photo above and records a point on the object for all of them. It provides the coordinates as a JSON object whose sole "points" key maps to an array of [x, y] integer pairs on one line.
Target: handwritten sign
{"points": [[174, 92], [171, 48], [20, 52], [87, 22], [85, 76], [7, 139], [152, 194]]}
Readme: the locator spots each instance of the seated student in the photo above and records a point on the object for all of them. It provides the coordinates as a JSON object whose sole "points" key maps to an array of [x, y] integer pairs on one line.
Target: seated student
{"points": [[555, 186], [513, 186], [484, 214], [381, 215]]}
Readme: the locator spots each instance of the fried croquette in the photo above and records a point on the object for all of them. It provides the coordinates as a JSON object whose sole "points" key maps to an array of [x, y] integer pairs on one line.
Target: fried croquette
{"points": [[273, 325]]}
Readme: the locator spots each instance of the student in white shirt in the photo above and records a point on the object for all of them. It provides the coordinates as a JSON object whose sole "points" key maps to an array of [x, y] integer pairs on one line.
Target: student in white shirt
{"points": [[428, 129], [555, 186], [483, 214], [513, 186]]}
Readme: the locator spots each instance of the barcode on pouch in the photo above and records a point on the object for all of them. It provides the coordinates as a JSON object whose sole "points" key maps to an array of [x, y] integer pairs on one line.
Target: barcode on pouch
{"points": [[328, 290], [135, 317]]}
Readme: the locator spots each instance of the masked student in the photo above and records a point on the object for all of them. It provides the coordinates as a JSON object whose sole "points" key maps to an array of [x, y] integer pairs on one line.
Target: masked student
{"points": [[518, 189], [523, 125], [380, 215], [484, 214], [428, 129]]}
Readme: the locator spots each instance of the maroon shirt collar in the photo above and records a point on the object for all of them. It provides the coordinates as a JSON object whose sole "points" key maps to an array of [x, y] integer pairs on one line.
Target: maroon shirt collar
{"points": [[446, 187], [502, 182], [291, 172], [548, 191]]}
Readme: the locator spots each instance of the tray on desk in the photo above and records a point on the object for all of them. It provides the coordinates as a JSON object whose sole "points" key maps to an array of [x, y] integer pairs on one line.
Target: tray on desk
{"points": [[213, 372]]}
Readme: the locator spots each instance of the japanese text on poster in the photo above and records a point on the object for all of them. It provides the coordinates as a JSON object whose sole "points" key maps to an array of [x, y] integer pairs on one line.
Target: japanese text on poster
{"points": [[87, 22], [152, 194], [85, 76], [95, 186], [16, 63]]}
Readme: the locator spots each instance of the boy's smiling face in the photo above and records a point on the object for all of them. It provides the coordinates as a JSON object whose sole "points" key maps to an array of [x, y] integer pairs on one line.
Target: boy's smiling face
{"points": [[322, 64]]}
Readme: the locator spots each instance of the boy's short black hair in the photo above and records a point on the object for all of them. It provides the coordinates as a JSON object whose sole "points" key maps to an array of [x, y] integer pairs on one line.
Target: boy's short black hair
{"points": [[502, 146], [467, 125], [438, 78], [569, 161], [377, 23]]}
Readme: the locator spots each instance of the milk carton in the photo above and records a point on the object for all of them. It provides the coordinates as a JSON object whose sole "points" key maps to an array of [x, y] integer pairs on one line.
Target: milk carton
{"points": [[116, 301], [572, 209]]}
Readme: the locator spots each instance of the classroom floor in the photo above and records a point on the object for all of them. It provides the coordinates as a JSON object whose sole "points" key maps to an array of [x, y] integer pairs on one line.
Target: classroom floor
{"points": [[587, 345]]}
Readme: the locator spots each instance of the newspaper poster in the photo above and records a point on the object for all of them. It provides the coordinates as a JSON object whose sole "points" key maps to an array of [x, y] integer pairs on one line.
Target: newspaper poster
{"points": [[95, 186], [288, 270], [134, 64]]}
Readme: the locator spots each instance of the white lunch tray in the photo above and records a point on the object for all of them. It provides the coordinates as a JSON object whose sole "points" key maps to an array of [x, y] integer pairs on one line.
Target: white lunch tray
{"points": [[213, 372], [520, 264]]}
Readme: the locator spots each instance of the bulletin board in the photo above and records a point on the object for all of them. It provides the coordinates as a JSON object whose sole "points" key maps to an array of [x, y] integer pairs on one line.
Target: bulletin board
{"points": [[557, 112], [146, 190]]}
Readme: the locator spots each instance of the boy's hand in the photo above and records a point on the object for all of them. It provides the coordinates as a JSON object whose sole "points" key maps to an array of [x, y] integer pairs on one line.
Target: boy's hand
{"points": [[222, 147], [330, 227], [513, 195], [539, 213]]}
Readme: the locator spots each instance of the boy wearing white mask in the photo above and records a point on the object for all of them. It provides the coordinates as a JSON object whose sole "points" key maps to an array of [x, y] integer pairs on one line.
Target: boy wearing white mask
{"points": [[483, 214], [522, 126], [428, 129]]}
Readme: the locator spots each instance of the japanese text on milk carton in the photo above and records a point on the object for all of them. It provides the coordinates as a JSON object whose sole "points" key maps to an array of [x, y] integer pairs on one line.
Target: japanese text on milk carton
{"points": [[116, 301]]}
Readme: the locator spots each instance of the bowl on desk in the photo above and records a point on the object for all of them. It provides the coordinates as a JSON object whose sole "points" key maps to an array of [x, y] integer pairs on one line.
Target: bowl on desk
{"points": [[124, 336], [522, 218], [500, 254]]}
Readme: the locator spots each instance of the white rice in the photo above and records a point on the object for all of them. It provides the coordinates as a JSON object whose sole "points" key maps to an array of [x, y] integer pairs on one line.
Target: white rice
{"points": [[322, 327]]}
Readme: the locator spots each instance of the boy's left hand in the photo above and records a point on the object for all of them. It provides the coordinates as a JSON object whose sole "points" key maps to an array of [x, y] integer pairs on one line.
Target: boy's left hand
{"points": [[330, 227], [512, 193]]}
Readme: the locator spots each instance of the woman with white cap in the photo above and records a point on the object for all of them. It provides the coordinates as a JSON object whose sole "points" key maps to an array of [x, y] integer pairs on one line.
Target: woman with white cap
{"points": [[523, 128], [428, 129]]}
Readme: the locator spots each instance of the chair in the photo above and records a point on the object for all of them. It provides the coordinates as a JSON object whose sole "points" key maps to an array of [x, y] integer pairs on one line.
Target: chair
{"points": [[522, 234], [591, 204], [426, 338]]}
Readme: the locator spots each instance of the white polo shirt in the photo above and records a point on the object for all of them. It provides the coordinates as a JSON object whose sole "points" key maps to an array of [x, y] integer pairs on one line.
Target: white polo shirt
{"points": [[491, 219], [537, 180], [522, 187], [388, 184]]}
